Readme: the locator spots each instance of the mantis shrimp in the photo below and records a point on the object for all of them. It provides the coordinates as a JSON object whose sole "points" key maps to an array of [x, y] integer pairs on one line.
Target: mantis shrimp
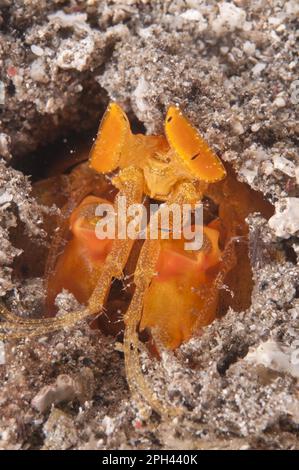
{"points": [[176, 292]]}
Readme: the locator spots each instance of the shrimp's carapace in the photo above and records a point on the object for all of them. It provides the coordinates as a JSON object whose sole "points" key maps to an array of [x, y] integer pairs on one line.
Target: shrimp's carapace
{"points": [[79, 267], [177, 294]]}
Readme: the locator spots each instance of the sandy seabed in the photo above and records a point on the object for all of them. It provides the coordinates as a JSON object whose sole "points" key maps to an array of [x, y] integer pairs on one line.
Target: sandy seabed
{"points": [[233, 68]]}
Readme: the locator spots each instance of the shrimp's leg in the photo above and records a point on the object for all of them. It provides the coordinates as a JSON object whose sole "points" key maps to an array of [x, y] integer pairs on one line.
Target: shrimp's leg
{"points": [[130, 184], [145, 271]]}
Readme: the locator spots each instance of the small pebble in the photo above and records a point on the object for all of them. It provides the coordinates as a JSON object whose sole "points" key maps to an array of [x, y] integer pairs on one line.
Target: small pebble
{"points": [[258, 68], [2, 353], [37, 50], [2, 93], [249, 48], [279, 102], [255, 127]]}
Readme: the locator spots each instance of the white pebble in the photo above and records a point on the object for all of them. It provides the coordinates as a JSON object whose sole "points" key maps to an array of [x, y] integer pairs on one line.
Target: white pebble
{"points": [[267, 168], [37, 71], [285, 221], [279, 102], [230, 18], [248, 174], [258, 68], [249, 48], [224, 50], [62, 390], [74, 54], [73, 20], [292, 7], [109, 425], [140, 94], [37, 50], [195, 16], [284, 165], [237, 127], [2, 353], [5, 197], [192, 15], [2, 93], [4, 145], [255, 127], [274, 356]]}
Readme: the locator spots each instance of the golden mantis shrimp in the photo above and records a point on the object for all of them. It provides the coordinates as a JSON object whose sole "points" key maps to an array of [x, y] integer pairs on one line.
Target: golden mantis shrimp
{"points": [[176, 292]]}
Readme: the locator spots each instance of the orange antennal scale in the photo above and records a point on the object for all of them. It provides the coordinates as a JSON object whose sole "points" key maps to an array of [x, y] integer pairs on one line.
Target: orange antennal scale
{"points": [[191, 148], [107, 148]]}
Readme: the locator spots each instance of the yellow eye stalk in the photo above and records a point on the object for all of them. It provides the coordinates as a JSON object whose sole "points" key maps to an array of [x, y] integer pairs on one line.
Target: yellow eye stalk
{"points": [[176, 293], [191, 148], [112, 137]]}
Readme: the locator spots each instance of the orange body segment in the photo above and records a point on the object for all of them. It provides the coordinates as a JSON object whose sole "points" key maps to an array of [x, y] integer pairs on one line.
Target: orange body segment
{"points": [[174, 300]]}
